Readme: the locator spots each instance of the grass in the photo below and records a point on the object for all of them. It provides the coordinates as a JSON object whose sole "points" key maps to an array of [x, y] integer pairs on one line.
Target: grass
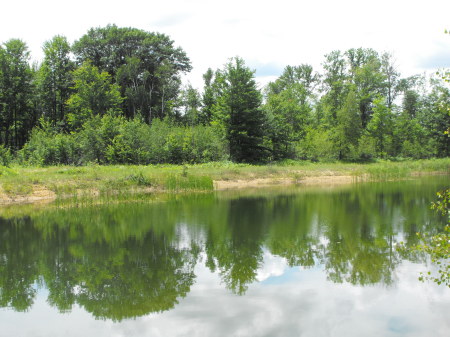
{"points": [[189, 183], [69, 180]]}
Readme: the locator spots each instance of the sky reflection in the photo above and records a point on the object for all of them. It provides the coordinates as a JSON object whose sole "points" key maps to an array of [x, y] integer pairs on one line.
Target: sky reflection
{"points": [[287, 302]]}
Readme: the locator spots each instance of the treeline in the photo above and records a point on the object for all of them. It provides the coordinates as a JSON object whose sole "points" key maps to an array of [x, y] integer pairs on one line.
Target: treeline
{"points": [[116, 96]]}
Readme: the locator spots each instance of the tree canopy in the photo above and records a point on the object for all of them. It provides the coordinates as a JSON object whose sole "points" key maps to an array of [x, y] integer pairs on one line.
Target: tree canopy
{"points": [[358, 107]]}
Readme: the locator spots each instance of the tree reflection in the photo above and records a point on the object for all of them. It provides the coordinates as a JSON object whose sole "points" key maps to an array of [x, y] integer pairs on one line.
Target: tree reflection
{"points": [[19, 264], [237, 255], [124, 261], [115, 279]]}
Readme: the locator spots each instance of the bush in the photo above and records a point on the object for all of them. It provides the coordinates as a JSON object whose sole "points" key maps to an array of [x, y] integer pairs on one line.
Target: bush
{"points": [[95, 137], [115, 140], [316, 146], [366, 148], [130, 144], [47, 147], [5, 156]]}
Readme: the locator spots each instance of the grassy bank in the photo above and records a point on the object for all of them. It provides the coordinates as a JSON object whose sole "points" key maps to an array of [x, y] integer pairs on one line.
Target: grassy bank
{"points": [[33, 183]]}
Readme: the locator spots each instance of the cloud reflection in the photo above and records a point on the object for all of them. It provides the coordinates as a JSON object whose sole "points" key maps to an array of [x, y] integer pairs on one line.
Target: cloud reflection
{"points": [[307, 305]]}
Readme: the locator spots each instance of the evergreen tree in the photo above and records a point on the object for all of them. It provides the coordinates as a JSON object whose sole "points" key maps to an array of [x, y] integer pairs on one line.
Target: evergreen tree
{"points": [[240, 112]]}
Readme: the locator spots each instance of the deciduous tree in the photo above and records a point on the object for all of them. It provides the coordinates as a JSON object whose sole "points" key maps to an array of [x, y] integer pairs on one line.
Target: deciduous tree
{"points": [[93, 95]]}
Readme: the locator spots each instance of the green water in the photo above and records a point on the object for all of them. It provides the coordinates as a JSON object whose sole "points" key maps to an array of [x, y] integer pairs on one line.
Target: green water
{"points": [[274, 262]]}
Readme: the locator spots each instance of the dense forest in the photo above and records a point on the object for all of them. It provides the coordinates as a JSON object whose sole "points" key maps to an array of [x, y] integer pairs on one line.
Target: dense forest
{"points": [[116, 96]]}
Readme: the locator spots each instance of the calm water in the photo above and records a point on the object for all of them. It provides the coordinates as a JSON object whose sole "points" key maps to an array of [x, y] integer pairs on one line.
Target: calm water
{"points": [[279, 262]]}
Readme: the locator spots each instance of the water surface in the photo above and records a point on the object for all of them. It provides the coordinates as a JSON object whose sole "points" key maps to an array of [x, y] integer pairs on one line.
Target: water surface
{"points": [[274, 262]]}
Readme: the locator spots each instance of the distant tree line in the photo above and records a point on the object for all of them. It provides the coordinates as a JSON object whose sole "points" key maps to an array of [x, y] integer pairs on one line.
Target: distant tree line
{"points": [[116, 96]]}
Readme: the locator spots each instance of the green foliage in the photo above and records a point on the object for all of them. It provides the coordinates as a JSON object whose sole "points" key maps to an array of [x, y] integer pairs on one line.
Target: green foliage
{"points": [[140, 180], [380, 127], [16, 89], [436, 117], [5, 156], [48, 147], [146, 66], [359, 108], [94, 95], [191, 103], [348, 129], [128, 144], [115, 140], [239, 111], [316, 145], [289, 109], [54, 80], [438, 246], [366, 147], [410, 138], [208, 98]]}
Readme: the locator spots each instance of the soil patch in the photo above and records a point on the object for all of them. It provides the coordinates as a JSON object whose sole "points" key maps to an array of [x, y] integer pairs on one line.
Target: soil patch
{"points": [[39, 194], [328, 180]]}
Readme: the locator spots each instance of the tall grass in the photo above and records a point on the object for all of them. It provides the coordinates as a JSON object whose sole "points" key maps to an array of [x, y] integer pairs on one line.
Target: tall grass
{"points": [[189, 183], [399, 170], [116, 179]]}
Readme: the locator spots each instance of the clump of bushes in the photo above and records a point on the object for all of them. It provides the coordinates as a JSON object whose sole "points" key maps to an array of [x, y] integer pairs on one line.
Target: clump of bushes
{"points": [[116, 140]]}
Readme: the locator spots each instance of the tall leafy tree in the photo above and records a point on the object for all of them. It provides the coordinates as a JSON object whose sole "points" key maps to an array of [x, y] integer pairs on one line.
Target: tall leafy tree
{"points": [[380, 127], [302, 74], [348, 129], [16, 85], [55, 79], [436, 118], [392, 78], [93, 95], [191, 102], [410, 138], [370, 83], [209, 98], [334, 84], [288, 105], [147, 66]]}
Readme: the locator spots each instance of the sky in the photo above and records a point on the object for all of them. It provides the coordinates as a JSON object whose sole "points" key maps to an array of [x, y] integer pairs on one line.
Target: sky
{"points": [[268, 35]]}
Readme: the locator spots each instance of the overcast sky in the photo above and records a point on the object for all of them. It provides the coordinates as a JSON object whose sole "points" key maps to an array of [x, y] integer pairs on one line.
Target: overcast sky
{"points": [[268, 34]]}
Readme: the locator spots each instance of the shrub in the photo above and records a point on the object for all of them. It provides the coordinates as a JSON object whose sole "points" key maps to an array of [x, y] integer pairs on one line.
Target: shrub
{"points": [[5, 156], [47, 147], [115, 140]]}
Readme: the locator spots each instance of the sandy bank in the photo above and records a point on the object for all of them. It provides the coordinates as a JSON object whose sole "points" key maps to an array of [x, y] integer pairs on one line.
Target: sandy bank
{"points": [[40, 194], [328, 180]]}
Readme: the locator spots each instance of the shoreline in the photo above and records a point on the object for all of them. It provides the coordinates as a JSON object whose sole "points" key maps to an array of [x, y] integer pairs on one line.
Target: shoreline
{"points": [[42, 195], [24, 185]]}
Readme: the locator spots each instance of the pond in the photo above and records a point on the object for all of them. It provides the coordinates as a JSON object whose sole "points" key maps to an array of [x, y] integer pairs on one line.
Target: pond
{"points": [[287, 261]]}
